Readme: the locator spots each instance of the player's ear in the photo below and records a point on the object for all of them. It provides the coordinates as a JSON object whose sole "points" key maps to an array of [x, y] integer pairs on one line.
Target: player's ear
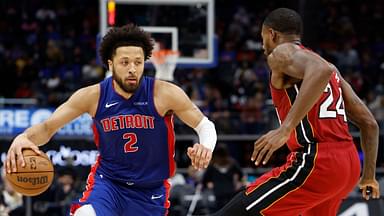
{"points": [[274, 34], [110, 63]]}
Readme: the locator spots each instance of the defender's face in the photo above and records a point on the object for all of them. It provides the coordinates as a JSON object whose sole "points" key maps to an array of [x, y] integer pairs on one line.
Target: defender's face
{"points": [[127, 66], [268, 36]]}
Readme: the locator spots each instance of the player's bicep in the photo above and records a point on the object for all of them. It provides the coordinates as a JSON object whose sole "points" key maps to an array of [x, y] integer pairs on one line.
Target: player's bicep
{"points": [[183, 107], [355, 108], [191, 116], [69, 110], [62, 115]]}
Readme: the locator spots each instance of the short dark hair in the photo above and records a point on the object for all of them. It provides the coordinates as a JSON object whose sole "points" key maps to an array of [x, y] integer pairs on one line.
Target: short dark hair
{"points": [[284, 20], [128, 35]]}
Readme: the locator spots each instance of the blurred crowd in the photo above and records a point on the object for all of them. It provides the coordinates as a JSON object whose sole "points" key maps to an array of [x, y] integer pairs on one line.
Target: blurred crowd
{"points": [[344, 32], [48, 50]]}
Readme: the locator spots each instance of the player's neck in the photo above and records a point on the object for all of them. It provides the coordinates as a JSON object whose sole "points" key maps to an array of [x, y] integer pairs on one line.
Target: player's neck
{"points": [[289, 39]]}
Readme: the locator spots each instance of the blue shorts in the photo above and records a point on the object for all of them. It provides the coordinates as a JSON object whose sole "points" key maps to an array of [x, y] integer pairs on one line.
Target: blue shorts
{"points": [[111, 198]]}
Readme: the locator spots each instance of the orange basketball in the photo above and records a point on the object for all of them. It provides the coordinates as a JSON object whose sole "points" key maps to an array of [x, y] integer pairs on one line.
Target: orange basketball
{"points": [[35, 177]]}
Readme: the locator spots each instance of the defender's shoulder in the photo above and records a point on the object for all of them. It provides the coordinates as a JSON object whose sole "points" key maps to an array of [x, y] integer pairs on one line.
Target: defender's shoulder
{"points": [[87, 95], [282, 56], [283, 52], [92, 90], [166, 87]]}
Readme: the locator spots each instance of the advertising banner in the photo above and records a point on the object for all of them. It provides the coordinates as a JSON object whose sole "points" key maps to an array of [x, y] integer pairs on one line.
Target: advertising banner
{"points": [[14, 121]]}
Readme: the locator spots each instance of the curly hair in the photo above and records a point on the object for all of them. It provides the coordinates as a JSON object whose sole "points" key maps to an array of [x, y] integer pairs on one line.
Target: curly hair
{"points": [[128, 35]]}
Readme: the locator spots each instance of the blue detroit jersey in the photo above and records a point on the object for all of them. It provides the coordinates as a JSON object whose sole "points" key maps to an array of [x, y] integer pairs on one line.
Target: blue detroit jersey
{"points": [[136, 144]]}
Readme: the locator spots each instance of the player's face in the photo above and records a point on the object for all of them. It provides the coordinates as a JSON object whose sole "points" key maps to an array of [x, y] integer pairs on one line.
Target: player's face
{"points": [[127, 67], [268, 36]]}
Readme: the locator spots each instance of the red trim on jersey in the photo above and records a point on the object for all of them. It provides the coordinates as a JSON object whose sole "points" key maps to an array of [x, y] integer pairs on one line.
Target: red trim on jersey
{"points": [[293, 135], [74, 207], [254, 185], [153, 93], [90, 180], [167, 203], [171, 144], [96, 135], [285, 196], [303, 47]]}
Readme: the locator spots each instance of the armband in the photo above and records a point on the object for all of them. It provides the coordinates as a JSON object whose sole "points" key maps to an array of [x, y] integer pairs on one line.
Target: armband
{"points": [[207, 133]]}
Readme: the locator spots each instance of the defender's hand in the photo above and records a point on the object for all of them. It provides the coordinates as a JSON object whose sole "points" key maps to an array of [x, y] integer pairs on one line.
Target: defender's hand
{"points": [[267, 144], [15, 153], [200, 156], [369, 188]]}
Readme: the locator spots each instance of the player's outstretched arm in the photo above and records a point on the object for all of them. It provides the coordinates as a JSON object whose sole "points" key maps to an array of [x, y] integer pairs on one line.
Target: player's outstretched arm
{"points": [[169, 97], [81, 101], [359, 114]]}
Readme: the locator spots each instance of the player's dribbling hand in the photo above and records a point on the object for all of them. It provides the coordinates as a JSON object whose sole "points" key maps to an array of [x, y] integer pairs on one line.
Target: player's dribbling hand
{"points": [[200, 156], [267, 144], [15, 153], [369, 188]]}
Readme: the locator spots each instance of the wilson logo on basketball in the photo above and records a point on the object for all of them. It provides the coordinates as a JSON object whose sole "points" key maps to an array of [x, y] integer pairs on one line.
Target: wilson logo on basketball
{"points": [[43, 163], [33, 180]]}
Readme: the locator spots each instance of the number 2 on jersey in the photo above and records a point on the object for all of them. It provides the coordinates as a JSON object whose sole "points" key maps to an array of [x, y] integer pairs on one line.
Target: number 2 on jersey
{"points": [[325, 112], [129, 145]]}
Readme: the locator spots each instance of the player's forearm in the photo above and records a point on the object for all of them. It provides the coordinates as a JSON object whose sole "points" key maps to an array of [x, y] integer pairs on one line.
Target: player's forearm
{"points": [[369, 144], [359, 114], [39, 134], [369, 135], [313, 85]]}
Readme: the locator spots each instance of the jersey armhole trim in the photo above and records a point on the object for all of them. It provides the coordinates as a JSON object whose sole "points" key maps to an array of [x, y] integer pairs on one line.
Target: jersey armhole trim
{"points": [[101, 95], [153, 106]]}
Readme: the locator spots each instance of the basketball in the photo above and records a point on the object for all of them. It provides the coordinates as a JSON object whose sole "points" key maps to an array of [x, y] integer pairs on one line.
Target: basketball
{"points": [[35, 177]]}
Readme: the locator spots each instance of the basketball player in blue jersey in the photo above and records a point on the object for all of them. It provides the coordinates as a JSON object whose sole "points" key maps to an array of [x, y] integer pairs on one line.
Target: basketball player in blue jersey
{"points": [[133, 130]]}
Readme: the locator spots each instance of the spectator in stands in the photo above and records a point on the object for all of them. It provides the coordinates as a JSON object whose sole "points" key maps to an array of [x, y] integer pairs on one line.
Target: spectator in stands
{"points": [[11, 202], [218, 108], [224, 176], [252, 114], [57, 200], [377, 108]]}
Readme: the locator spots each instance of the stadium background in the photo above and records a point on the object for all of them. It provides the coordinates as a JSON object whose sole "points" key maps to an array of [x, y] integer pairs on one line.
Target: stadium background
{"points": [[48, 50]]}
